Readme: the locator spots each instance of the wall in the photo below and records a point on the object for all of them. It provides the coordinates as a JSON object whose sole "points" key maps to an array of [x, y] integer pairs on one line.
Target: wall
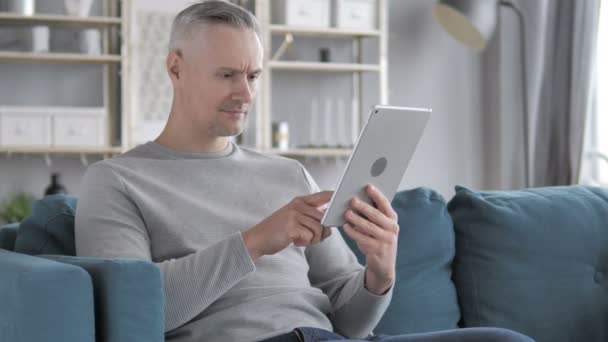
{"points": [[426, 68], [429, 69]]}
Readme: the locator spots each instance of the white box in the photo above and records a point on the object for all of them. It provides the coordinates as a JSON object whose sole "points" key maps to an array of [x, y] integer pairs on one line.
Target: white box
{"points": [[359, 14], [24, 126], [308, 13], [76, 127]]}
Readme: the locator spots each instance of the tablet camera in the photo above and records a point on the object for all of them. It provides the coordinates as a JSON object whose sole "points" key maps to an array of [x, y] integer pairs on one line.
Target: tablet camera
{"points": [[379, 166]]}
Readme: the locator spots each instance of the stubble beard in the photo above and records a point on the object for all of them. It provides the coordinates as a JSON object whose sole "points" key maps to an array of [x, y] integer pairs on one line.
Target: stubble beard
{"points": [[219, 129]]}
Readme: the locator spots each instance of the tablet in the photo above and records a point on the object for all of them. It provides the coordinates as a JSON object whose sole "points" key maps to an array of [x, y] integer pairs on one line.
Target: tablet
{"points": [[381, 155]]}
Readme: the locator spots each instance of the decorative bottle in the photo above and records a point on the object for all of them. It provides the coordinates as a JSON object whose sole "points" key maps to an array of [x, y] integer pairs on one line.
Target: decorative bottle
{"points": [[55, 187]]}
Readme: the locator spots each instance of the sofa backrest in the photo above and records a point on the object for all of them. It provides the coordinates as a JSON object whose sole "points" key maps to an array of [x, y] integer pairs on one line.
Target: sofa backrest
{"points": [[49, 229]]}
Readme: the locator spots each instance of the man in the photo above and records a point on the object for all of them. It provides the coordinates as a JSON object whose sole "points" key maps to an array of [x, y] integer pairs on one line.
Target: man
{"points": [[235, 233]]}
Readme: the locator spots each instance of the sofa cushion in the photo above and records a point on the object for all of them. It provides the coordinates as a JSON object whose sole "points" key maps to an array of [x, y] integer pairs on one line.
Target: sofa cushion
{"points": [[49, 229], [44, 300], [8, 235], [129, 297], [424, 297], [534, 261]]}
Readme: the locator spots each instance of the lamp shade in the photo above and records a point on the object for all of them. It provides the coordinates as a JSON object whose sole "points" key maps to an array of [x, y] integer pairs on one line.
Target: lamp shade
{"points": [[471, 22]]}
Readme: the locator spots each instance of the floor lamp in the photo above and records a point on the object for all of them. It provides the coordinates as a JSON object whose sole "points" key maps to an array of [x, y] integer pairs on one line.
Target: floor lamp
{"points": [[472, 22]]}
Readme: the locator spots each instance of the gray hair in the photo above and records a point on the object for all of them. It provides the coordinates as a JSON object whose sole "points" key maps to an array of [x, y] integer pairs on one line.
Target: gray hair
{"points": [[209, 12]]}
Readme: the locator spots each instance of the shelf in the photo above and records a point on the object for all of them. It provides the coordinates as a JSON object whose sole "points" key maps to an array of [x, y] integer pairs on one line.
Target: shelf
{"points": [[327, 32], [41, 19], [60, 150], [318, 66], [313, 152], [58, 57]]}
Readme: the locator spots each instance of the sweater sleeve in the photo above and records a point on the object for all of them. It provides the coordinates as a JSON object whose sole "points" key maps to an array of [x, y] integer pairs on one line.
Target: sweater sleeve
{"points": [[109, 225], [335, 270]]}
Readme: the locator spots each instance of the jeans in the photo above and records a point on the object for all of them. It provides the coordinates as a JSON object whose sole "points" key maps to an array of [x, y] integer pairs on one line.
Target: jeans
{"points": [[306, 334]]}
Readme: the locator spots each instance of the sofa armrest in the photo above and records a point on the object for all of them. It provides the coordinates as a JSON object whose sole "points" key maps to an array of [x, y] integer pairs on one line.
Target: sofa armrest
{"points": [[129, 297], [8, 235], [44, 300]]}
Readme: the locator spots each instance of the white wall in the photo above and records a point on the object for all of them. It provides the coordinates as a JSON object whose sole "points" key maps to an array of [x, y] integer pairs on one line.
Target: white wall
{"points": [[429, 69], [426, 69]]}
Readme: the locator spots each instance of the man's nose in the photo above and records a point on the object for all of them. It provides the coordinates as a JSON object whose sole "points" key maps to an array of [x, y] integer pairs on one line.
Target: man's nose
{"points": [[244, 91]]}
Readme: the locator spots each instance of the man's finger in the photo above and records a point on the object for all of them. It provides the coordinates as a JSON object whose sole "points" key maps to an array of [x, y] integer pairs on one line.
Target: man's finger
{"points": [[383, 204], [364, 225], [356, 235], [326, 233], [313, 226], [311, 211], [372, 214], [302, 237], [318, 199]]}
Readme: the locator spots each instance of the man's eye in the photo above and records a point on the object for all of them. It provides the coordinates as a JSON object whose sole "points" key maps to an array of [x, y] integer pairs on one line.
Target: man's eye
{"points": [[227, 75], [254, 77]]}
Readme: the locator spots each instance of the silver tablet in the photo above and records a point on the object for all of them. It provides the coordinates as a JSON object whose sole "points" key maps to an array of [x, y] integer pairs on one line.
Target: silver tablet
{"points": [[382, 153]]}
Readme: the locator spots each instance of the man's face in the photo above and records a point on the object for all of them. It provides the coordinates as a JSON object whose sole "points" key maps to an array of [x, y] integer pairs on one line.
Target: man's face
{"points": [[218, 77]]}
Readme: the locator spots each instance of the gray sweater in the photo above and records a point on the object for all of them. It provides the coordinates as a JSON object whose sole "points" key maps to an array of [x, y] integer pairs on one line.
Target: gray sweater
{"points": [[186, 211]]}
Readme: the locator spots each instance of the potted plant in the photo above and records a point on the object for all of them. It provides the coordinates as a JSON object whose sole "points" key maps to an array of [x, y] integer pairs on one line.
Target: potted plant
{"points": [[16, 208]]}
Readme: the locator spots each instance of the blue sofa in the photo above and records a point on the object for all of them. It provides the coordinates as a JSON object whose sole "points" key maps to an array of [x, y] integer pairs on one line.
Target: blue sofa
{"points": [[47, 294], [534, 261]]}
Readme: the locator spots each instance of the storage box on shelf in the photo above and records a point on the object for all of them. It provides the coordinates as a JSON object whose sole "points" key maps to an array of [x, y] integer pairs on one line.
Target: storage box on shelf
{"points": [[309, 13], [360, 14], [79, 127], [60, 127], [24, 127]]}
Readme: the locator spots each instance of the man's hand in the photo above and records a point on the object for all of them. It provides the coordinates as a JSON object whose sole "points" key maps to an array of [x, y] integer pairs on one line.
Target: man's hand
{"points": [[298, 222], [375, 231]]}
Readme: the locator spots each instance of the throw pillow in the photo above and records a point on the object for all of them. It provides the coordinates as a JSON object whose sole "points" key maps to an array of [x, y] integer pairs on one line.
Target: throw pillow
{"points": [[534, 261]]}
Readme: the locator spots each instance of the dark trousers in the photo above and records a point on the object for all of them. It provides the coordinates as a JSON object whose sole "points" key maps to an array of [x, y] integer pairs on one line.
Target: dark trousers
{"points": [[306, 334]]}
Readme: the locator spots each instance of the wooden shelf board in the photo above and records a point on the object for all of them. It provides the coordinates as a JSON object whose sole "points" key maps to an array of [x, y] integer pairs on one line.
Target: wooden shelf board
{"points": [[52, 19], [328, 32], [58, 57], [318, 66], [60, 150]]}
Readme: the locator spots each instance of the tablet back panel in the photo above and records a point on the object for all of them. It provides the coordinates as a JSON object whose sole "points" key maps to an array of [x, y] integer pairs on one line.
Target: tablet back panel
{"points": [[381, 155]]}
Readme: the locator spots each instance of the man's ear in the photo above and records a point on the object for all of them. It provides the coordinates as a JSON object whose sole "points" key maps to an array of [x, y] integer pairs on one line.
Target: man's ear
{"points": [[174, 65]]}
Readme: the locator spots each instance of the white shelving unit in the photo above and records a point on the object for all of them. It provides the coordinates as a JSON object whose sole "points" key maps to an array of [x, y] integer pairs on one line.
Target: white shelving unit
{"points": [[264, 102], [111, 60], [115, 56]]}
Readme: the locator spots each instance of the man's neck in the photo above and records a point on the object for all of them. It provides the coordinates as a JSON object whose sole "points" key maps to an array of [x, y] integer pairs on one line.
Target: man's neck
{"points": [[185, 143]]}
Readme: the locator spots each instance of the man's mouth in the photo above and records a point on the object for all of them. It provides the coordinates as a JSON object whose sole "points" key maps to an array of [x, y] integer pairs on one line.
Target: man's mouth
{"points": [[235, 115], [235, 111]]}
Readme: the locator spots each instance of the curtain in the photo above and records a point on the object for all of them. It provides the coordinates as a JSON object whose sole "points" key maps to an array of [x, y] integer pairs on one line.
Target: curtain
{"points": [[560, 38], [565, 91]]}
